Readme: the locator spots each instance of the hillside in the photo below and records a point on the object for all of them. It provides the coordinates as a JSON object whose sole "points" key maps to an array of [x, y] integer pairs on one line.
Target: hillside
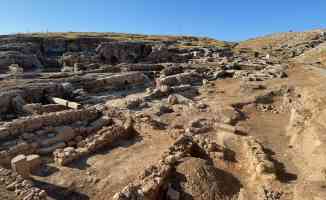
{"points": [[285, 45], [316, 55]]}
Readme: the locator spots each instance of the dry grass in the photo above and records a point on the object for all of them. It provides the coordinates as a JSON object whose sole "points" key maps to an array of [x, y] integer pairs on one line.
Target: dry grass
{"points": [[317, 54], [279, 39], [183, 41]]}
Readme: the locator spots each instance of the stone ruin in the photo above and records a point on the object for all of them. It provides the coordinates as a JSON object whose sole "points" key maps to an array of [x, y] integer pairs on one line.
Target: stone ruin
{"points": [[113, 92]]}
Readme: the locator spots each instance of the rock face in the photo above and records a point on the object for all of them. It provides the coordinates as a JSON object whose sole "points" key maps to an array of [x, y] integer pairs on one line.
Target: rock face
{"points": [[13, 57], [123, 52], [118, 81], [36, 52], [161, 54], [72, 58]]}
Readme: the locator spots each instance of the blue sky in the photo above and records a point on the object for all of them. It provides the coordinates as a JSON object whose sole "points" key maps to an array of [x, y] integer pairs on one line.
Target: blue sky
{"points": [[231, 20]]}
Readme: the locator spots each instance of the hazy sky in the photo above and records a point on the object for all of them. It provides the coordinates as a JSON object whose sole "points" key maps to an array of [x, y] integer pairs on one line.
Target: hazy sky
{"points": [[227, 20]]}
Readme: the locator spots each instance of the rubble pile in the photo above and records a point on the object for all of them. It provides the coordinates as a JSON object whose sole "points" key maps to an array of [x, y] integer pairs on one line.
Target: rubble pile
{"points": [[258, 162], [22, 188]]}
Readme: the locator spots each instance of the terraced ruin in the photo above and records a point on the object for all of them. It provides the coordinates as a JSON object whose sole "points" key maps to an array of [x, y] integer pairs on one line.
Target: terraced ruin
{"points": [[131, 117]]}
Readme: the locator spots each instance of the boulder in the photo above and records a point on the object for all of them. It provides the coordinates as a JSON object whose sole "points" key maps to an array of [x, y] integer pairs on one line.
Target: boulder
{"points": [[65, 133], [15, 69]]}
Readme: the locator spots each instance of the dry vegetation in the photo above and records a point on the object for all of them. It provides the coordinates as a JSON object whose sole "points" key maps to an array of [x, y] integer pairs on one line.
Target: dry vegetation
{"points": [[314, 55], [278, 39], [186, 41]]}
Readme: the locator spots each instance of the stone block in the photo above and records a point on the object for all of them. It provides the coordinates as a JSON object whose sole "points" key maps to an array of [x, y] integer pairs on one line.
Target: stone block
{"points": [[65, 133], [34, 161], [20, 165]]}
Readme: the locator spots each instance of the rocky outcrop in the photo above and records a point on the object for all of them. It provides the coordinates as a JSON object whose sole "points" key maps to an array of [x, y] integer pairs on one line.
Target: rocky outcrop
{"points": [[84, 58], [123, 52], [142, 67], [165, 54], [179, 79], [28, 61], [118, 81], [37, 51]]}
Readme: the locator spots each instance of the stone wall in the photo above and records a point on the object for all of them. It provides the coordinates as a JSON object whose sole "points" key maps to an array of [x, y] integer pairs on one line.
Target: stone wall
{"points": [[34, 123], [27, 132], [32, 93], [154, 177], [179, 79], [142, 67], [106, 136]]}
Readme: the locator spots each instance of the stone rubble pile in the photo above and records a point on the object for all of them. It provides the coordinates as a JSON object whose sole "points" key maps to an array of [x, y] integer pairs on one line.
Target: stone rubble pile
{"points": [[269, 72], [22, 188], [259, 163]]}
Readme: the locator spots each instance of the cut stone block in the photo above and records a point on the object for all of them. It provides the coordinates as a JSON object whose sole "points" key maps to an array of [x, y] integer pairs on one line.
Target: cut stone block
{"points": [[34, 161], [20, 165], [65, 133]]}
